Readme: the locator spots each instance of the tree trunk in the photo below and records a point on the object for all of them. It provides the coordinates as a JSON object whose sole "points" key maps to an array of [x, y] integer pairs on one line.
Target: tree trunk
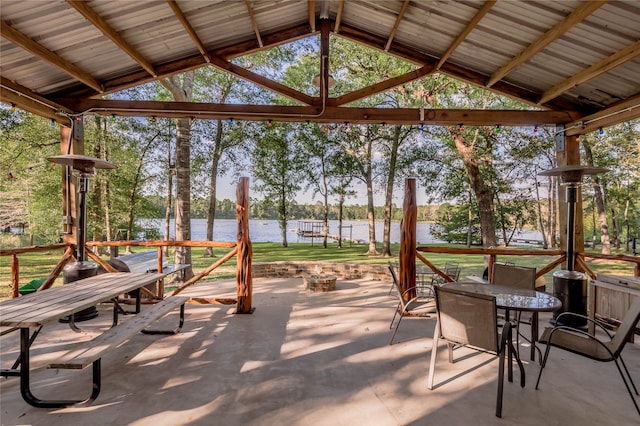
{"points": [[388, 199], [167, 211], [616, 233], [326, 210], [211, 212], [545, 243], [283, 215], [183, 198], [371, 216], [469, 222], [600, 202], [340, 205], [181, 88], [483, 194]]}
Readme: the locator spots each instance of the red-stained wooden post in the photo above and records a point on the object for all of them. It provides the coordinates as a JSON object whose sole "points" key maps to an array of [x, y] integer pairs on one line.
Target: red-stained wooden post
{"points": [[408, 239], [243, 270], [15, 276]]}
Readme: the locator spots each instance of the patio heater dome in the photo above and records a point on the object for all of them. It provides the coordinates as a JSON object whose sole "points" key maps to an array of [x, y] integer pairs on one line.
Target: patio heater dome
{"points": [[570, 286]]}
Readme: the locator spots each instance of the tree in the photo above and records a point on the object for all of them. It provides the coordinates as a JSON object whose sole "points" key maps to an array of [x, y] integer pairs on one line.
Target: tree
{"points": [[278, 168], [181, 88], [30, 185]]}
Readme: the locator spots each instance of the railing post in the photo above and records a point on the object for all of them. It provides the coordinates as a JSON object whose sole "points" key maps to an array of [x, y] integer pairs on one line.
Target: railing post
{"points": [[243, 270], [15, 275], [407, 255], [160, 289]]}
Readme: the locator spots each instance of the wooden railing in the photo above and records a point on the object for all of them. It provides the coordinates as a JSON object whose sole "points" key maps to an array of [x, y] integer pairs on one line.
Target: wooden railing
{"points": [[68, 256], [241, 249], [492, 253], [15, 263]]}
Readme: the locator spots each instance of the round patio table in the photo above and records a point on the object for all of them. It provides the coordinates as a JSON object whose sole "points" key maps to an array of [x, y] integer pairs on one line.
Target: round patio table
{"points": [[512, 299]]}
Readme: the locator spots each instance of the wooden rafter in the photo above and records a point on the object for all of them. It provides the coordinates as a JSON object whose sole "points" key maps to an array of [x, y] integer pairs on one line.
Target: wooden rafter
{"points": [[23, 98], [628, 53], [582, 12], [324, 60], [336, 27], [252, 77], [486, 7], [383, 85], [311, 6], [331, 114], [193, 62], [254, 22], [625, 110], [452, 70], [187, 26], [97, 21], [396, 25], [21, 40]]}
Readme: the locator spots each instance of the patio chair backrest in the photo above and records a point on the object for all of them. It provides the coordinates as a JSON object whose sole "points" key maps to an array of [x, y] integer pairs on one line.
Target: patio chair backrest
{"points": [[394, 276], [453, 272], [627, 327], [514, 276], [467, 318]]}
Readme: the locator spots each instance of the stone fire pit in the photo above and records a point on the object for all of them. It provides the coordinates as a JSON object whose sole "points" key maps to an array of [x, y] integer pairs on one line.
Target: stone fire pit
{"points": [[322, 283]]}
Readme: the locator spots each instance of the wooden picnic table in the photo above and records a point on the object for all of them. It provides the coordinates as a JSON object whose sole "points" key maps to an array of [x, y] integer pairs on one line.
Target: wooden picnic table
{"points": [[43, 307]]}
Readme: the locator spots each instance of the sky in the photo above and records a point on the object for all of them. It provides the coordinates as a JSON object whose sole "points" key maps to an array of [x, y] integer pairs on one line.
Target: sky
{"points": [[226, 188]]}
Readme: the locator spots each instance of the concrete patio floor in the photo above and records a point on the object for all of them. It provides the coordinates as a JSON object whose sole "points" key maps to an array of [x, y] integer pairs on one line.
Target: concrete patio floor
{"points": [[307, 358]]}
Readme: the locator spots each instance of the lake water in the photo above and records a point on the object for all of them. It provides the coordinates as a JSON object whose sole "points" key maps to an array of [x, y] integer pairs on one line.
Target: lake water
{"points": [[269, 230]]}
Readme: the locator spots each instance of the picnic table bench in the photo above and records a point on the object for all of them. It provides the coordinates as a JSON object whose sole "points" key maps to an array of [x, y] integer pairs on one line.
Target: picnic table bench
{"points": [[43, 307]]}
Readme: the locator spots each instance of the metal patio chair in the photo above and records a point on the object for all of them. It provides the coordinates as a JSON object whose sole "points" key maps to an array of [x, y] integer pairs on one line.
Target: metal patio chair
{"points": [[413, 306], [470, 319], [582, 343], [525, 278]]}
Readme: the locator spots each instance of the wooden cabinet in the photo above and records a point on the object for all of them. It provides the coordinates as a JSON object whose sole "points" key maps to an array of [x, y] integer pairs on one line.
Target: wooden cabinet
{"points": [[610, 296]]}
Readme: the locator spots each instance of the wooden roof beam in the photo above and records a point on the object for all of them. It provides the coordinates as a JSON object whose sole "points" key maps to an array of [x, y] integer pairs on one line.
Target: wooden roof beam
{"points": [[336, 27], [254, 23], [452, 70], [486, 7], [39, 51], [607, 64], [193, 62], [311, 5], [97, 21], [187, 26], [396, 25], [383, 85], [581, 13], [408, 116], [252, 77], [625, 110], [23, 98]]}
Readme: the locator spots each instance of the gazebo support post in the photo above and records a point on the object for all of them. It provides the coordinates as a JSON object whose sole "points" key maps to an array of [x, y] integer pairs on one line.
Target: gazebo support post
{"points": [[570, 155], [71, 142], [243, 269], [407, 255]]}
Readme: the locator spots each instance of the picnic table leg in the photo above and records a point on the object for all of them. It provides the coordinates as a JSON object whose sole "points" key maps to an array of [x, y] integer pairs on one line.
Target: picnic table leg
{"points": [[25, 388]]}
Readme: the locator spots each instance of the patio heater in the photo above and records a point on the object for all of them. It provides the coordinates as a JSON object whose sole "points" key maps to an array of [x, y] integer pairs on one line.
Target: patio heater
{"points": [[570, 286], [83, 168]]}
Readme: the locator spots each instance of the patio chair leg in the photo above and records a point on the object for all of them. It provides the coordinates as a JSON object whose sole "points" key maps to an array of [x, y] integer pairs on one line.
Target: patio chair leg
{"points": [[629, 375], [432, 365], [627, 385], [500, 382], [543, 364], [397, 326]]}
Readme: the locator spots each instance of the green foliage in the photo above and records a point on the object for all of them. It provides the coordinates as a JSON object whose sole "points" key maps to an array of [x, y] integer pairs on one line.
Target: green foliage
{"points": [[30, 185], [452, 224]]}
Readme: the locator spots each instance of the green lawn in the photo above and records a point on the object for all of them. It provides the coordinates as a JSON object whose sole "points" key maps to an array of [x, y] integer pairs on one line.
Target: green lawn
{"points": [[39, 265]]}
